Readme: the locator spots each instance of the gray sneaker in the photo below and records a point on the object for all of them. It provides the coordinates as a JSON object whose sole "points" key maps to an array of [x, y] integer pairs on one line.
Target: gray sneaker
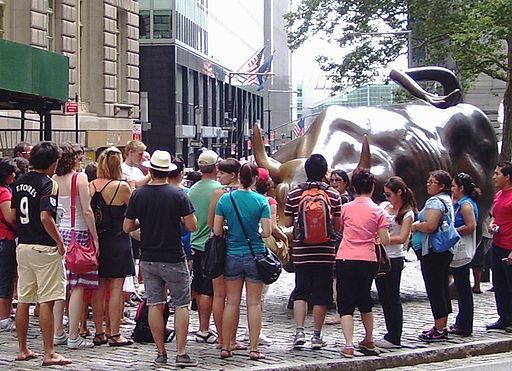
{"points": [[161, 360], [7, 325], [79, 343], [60, 340], [299, 339], [183, 360], [317, 342]]}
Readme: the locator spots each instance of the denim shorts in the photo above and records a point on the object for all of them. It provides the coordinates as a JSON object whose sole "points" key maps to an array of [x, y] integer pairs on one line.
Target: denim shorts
{"points": [[242, 267], [7, 267], [158, 275]]}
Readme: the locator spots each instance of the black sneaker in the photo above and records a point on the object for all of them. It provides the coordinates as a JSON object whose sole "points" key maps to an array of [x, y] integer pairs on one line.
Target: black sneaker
{"points": [[161, 360], [434, 335], [183, 360], [496, 326]]}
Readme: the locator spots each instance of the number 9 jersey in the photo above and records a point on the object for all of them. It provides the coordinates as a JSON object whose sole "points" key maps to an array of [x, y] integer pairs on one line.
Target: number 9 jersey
{"points": [[33, 193]]}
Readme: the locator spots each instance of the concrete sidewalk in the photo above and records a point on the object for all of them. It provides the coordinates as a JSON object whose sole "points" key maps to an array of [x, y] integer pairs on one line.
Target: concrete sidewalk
{"points": [[278, 325]]}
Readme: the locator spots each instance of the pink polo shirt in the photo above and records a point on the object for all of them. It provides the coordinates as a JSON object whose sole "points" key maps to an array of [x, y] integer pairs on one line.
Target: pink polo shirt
{"points": [[360, 220]]}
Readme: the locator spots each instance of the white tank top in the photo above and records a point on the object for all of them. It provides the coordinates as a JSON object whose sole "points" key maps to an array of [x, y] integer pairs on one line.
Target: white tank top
{"points": [[80, 225]]}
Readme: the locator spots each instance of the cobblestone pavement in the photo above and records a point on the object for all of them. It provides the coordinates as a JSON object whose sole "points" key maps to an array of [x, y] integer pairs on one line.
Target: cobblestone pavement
{"points": [[278, 325]]}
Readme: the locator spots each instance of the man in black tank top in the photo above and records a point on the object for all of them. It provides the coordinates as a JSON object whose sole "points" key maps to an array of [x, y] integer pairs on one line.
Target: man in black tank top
{"points": [[40, 252]]}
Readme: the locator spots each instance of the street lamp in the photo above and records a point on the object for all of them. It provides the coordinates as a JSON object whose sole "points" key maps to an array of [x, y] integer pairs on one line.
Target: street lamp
{"points": [[230, 99], [404, 32], [268, 110]]}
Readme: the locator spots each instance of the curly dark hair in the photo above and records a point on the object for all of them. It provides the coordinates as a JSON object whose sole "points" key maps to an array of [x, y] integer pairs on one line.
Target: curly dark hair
{"points": [[7, 167], [68, 159]]}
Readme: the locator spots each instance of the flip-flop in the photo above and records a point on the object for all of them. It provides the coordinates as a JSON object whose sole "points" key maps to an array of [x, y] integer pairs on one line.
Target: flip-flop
{"points": [[58, 362], [255, 355], [28, 357]]}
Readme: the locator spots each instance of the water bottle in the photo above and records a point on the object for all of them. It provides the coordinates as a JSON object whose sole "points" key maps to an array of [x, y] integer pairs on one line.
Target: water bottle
{"points": [[445, 226]]}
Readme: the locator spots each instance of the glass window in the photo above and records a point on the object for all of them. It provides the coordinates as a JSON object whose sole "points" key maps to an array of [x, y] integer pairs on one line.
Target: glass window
{"points": [[162, 24], [2, 21], [144, 24], [50, 18]]}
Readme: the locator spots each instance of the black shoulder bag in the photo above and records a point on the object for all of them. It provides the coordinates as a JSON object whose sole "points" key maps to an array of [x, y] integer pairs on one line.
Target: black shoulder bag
{"points": [[269, 266]]}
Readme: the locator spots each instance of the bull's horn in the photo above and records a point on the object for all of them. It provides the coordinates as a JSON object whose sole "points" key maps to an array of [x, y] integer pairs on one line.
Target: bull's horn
{"points": [[260, 154], [365, 160]]}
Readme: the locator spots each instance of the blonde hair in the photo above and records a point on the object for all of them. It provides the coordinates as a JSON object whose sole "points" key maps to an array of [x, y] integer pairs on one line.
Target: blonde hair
{"points": [[134, 145], [109, 164]]}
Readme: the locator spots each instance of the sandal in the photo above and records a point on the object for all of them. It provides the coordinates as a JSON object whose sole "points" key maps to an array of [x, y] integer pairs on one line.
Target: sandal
{"points": [[255, 355], [116, 343], [100, 339], [225, 353], [208, 337]]}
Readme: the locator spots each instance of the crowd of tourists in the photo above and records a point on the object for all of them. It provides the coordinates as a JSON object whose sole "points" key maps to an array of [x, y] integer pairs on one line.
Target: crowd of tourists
{"points": [[150, 225]]}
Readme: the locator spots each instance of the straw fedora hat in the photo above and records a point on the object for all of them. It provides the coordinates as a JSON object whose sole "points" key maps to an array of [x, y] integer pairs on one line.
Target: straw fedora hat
{"points": [[160, 161]]}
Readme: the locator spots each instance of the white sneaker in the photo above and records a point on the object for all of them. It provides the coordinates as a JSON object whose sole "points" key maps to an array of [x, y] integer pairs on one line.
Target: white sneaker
{"points": [[7, 325], [264, 340], [79, 343], [60, 340]]}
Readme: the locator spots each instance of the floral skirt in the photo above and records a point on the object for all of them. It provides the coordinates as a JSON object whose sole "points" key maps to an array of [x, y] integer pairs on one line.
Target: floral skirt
{"points": [[89, 280]]}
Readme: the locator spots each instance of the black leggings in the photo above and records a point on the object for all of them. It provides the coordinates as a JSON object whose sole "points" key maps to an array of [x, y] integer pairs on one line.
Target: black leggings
{"points": [[434, 268]]}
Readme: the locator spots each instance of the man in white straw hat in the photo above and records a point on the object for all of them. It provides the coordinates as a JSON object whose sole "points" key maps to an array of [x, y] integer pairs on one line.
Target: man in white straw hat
{"points": [[162, 258]]}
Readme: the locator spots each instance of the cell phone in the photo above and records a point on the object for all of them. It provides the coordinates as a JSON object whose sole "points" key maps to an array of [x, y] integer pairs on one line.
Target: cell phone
{"points": [[504, 259]]}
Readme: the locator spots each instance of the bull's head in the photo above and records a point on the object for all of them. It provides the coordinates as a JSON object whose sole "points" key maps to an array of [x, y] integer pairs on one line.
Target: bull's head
{"points": [[292, 172]]}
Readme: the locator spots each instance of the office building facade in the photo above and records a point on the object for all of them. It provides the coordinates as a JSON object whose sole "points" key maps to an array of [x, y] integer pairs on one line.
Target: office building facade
{"points": [[100, 40]]}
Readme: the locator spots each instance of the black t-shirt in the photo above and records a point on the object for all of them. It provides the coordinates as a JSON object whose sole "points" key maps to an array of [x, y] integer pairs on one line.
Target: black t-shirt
{"points": [[33, 193], [159, 209]]}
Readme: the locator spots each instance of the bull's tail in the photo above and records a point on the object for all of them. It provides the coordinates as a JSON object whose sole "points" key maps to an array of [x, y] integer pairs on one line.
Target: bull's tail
{"points": [[451, 86]]}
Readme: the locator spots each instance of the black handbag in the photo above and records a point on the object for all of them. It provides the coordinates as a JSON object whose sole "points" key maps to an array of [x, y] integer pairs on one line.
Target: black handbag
{"points": [[383, 262], [269, 265], [214, 257]]}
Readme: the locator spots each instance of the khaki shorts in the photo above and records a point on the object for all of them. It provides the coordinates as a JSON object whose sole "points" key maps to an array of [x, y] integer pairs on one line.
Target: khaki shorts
{"points": [[41, 274]]}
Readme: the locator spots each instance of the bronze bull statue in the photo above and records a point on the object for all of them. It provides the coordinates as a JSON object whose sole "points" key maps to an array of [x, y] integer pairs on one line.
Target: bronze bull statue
{"points": [[408, 140]]}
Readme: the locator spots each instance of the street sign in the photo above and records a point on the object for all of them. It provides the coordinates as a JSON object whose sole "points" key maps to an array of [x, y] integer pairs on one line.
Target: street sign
{"points": [[137, 130], [71, 107], [195, 143]]}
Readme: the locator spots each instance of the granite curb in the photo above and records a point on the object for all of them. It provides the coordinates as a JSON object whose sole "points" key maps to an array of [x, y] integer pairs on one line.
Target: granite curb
{"points": [[439, 353]]}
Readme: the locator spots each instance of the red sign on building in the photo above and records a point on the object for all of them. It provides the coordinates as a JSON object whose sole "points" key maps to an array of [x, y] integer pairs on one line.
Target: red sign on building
{"points": [[71, 107]]}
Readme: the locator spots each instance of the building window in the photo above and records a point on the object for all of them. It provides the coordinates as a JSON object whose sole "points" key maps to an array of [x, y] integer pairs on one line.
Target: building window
{"points": [[50, 25], [162, 24], [144, 24], [121, 54], [82, 51], [2, 19]]}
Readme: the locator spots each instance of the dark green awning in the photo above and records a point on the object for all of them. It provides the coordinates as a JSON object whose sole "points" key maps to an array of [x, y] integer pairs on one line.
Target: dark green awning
{"points": [[32, 78]]}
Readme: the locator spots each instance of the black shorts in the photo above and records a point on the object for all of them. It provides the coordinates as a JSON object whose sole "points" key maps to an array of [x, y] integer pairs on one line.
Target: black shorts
{"points": [[353, 284], [200, 284], [7, 267], [313, 283]]}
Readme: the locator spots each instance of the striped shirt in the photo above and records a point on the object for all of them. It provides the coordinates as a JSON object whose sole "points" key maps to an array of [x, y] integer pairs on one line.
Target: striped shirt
{"points": [[303, 253]]}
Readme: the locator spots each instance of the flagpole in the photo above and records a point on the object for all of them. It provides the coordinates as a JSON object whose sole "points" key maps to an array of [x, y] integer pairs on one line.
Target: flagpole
{"points": [[247, 61]]}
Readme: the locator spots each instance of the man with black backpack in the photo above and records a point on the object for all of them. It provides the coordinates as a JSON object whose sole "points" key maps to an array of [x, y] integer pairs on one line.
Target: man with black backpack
{"points": [[313, 209]]}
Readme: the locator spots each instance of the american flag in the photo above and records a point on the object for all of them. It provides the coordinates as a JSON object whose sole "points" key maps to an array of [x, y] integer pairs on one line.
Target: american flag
{"points": [[253, 66], [298, 129]]}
